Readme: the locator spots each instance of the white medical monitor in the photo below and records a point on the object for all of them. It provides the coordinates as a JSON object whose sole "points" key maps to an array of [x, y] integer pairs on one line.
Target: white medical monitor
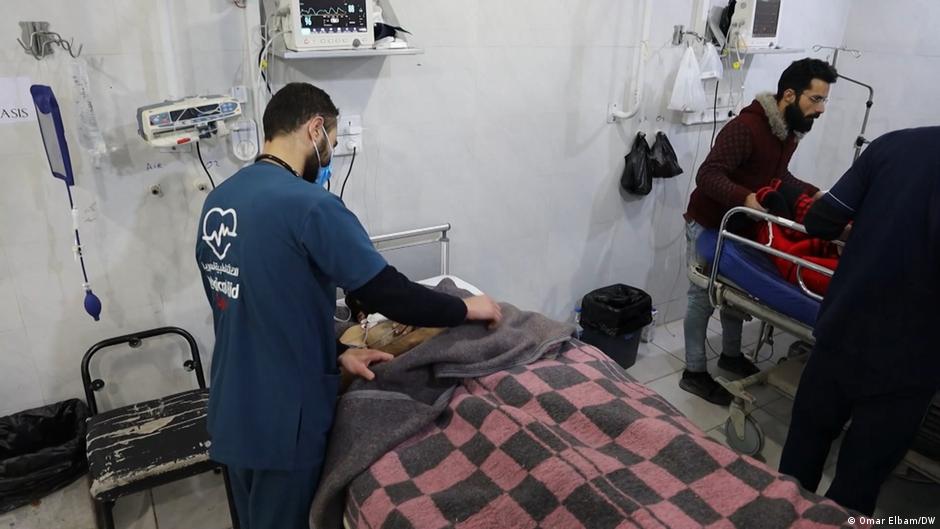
{"points": [[755, 24], [330, 24]]}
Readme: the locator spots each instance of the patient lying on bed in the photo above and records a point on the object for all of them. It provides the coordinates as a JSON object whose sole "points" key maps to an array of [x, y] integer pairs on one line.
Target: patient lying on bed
{"points": [[521, 427], [792, 203]]}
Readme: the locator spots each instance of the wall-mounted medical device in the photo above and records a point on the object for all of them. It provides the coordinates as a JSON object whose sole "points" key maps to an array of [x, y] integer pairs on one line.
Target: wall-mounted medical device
{"points": [[327, 24], [187, 120], [755, 24]]}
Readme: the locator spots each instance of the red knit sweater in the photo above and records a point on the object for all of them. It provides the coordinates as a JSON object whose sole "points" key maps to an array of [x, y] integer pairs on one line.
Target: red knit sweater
{"points": [[747, 155]]}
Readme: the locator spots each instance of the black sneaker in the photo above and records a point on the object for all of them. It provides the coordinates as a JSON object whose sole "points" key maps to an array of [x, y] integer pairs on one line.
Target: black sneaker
{"points": [[703, 385], [739, 365]]}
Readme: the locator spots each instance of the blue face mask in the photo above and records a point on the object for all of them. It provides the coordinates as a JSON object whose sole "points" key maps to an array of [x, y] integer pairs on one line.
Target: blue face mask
{"points": [[324, 173]]}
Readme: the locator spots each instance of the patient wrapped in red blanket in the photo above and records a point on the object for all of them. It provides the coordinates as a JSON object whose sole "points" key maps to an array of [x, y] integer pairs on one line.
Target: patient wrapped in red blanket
{"points": [[788, 202]]}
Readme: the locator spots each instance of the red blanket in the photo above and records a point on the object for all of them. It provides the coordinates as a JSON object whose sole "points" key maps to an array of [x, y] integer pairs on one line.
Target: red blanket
{"points": [[794, 205], [569, 443]]}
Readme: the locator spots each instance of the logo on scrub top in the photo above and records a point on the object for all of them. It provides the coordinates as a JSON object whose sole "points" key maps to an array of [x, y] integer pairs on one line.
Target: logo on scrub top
{"points": [[223, 228]]}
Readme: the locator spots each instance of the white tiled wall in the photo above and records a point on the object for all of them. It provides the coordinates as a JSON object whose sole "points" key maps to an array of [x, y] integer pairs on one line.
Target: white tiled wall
{"points": [[499, 128]]}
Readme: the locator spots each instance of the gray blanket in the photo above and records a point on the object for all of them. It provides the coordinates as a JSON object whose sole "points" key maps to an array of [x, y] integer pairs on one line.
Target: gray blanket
{"points": [[409, 393]]}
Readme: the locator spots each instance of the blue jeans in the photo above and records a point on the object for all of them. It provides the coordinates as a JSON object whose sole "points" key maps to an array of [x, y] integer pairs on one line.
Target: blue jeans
{"points": [[700, 310]]}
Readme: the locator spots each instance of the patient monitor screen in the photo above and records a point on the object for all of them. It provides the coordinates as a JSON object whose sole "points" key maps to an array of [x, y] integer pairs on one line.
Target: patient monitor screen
{"points": [[766, 18], [333, 16]]}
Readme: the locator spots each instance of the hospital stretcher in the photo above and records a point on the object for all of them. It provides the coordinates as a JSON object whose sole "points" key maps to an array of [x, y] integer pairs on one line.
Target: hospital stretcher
{"points": [[746, 281]]}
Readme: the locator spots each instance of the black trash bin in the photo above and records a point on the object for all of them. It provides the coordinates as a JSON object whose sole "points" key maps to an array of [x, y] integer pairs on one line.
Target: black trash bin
{"points": [[612, 318], [41, 450]]}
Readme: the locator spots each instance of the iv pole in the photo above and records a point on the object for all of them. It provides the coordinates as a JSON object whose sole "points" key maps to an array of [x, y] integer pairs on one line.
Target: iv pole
{"points": [[860, 141]]}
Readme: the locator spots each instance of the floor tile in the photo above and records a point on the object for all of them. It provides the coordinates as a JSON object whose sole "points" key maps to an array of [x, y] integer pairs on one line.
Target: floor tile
{"points": [[671, 338], [67, 508], [702, 413], [135, 512], [653, 363], [198, 502]]}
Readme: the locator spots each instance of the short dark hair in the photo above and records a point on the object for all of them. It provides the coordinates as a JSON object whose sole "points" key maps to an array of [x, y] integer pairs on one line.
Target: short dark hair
{"points": [[800, 74], [294, 105]]}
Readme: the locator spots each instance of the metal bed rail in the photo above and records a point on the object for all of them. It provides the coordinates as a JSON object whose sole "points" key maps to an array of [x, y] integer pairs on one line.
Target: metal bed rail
{"points": [[418, 237], [800, 263]]}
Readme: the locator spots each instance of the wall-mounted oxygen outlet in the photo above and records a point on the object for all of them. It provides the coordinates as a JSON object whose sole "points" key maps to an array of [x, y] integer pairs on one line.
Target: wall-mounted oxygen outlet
{"points": [[348, 135]]}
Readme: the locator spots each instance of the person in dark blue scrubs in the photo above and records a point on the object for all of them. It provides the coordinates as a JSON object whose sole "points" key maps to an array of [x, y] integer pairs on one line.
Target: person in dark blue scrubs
{"points": [[876, 359], [272, 247]]}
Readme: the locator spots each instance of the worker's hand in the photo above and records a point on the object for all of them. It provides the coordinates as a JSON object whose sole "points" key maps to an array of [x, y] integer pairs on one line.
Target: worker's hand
{"points": [[846, 232], [751, 202], [482, 308], [357, 361], [819, 194]]}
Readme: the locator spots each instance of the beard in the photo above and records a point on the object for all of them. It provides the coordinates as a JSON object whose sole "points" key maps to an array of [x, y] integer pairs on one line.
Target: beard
{"points": [[797, 121], [315, 162]]}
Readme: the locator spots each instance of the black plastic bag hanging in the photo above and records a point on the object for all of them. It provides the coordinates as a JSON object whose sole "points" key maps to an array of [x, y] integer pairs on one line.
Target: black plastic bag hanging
{"points": [[665, 163], [637, 175], [382, 31]]}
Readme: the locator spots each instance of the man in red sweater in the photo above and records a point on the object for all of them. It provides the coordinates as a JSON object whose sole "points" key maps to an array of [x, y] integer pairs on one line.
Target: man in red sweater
{"points": [[751, 150]]}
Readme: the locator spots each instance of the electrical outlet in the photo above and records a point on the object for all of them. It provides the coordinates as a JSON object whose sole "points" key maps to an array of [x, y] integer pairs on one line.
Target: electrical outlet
{"points": [[348, 135], [346, 144]]}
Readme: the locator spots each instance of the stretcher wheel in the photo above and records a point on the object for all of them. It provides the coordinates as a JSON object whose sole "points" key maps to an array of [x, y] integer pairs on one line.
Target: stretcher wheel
{"points": [[752, 442]]}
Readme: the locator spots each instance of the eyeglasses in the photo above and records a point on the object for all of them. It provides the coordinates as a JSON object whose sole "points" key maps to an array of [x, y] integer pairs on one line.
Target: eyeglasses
{"points": [[816, 100]]}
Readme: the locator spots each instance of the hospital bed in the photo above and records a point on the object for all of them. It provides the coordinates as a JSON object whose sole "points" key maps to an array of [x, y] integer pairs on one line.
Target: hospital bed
{"points": [[747, 281], [644, 474]]}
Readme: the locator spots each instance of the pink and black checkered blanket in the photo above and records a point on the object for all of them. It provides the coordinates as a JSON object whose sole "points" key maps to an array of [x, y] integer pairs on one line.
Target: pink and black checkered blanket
{"points": [[572, 443], [559, 437]]}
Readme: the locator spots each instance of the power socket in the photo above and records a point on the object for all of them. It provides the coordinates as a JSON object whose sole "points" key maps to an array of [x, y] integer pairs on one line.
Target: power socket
{"points": [[346, 144], [349, 135]]}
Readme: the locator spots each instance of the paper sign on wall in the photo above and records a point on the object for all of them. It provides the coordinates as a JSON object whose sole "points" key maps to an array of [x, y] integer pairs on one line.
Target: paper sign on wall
{"points": [[16, 105]]}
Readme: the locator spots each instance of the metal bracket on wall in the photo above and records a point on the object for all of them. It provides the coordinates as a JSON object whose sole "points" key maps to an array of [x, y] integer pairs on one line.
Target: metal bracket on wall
{"points": [[37, 41]]}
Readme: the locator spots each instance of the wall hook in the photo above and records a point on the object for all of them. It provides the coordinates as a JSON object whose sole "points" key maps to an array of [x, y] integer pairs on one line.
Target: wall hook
{"points": [[37, 41]]}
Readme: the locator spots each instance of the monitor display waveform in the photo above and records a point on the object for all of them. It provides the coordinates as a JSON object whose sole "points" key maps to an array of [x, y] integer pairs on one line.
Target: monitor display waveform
{"points": [[333, 11], [333, 16]]}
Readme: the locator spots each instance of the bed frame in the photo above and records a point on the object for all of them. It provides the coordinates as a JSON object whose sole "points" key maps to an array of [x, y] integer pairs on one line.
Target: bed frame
{"points": [[743, 433], [418, 237]]}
